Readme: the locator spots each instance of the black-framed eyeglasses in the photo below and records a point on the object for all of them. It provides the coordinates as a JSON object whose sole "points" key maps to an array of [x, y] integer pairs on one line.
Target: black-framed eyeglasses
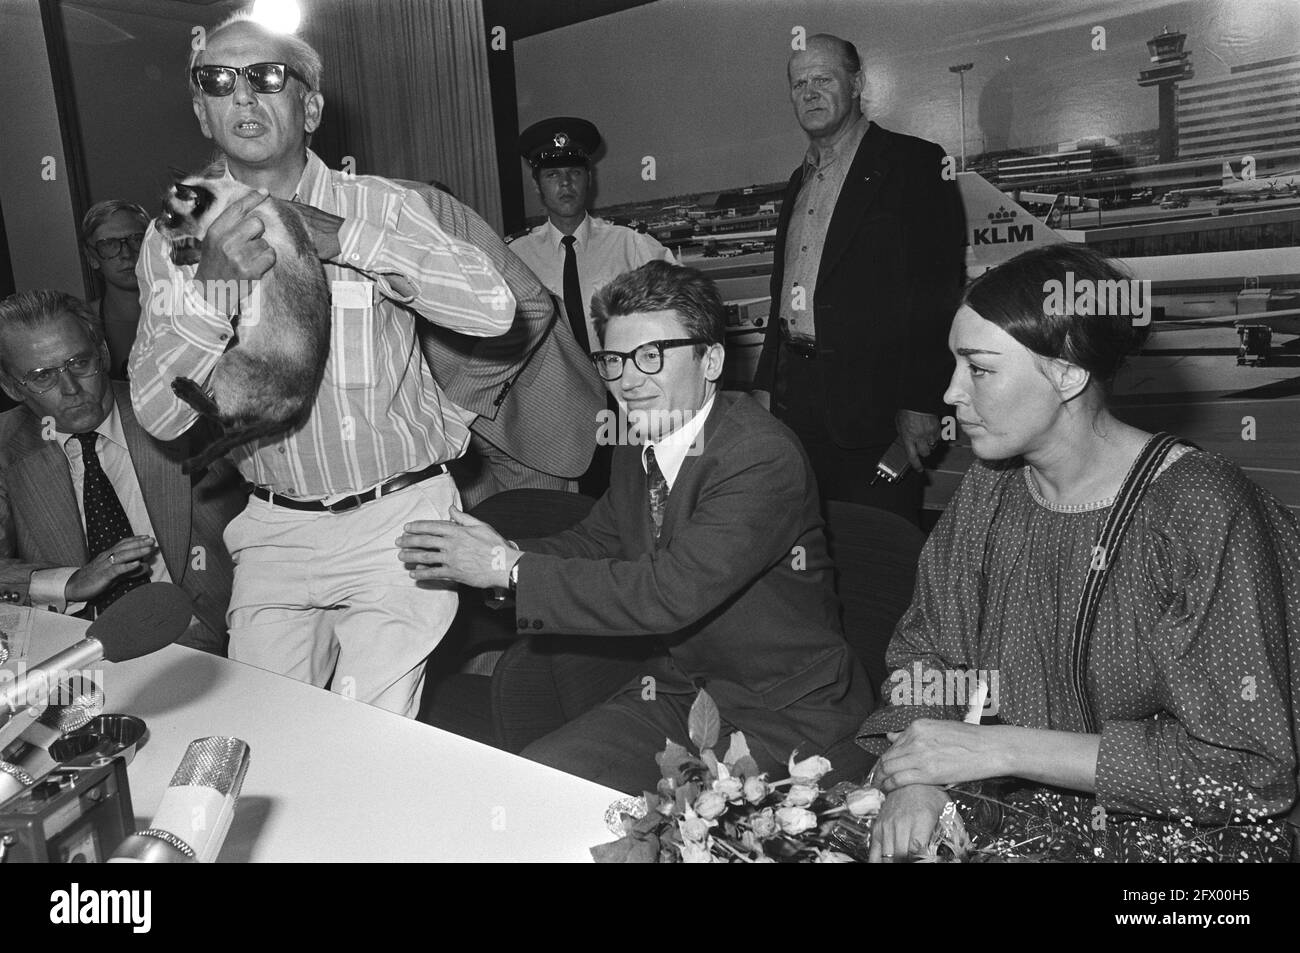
{"points": [[41, 379], [648, 358], [107, 248], [262, 77]]}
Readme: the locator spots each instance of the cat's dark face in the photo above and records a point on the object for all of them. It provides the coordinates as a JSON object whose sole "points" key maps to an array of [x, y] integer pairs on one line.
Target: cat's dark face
{"points": [[188, 210]]}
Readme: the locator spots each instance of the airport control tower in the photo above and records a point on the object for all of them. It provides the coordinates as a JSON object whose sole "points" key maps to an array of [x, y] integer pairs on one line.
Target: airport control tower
{"points": [[1169, 66]]}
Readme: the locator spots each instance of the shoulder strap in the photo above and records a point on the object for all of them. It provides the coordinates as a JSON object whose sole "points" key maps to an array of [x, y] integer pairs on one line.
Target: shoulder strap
{"points": [[1139, 477]]}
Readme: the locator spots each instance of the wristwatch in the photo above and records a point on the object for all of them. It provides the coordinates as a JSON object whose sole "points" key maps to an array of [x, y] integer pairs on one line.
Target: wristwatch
{"points": [[514, 576]]}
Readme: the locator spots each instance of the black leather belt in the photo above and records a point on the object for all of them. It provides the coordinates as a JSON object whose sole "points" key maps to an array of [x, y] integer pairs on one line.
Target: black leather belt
{"points": [[350, 502], [799, 348]]}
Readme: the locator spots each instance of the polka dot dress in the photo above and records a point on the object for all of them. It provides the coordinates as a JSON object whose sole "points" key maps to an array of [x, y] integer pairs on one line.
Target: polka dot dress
{"points": [[1187, 671]]}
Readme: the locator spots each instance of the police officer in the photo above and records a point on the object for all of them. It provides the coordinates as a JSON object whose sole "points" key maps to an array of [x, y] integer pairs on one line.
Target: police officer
{"points": [[573, 253]]}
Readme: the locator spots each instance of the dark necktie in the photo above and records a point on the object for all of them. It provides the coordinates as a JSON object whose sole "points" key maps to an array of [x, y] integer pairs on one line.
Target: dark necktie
{"points": [[573, 295], [657, 485], [106, 521]]}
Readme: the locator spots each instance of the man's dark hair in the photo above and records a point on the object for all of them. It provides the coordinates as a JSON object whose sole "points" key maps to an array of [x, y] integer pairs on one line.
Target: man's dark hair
{"points": [[34, 309], [660, 286], [1013, 296]]}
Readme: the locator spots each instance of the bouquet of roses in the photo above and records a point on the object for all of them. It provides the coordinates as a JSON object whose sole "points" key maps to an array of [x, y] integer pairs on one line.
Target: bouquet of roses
{"points": [[724, 810]]}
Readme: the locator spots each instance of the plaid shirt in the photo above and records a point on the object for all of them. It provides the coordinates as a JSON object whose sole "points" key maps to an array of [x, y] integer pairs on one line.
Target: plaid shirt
{"points": [[379, 411]]}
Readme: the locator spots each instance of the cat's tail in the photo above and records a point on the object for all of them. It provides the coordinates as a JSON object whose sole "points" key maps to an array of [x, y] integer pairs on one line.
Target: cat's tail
{"points": [[233, 438]]}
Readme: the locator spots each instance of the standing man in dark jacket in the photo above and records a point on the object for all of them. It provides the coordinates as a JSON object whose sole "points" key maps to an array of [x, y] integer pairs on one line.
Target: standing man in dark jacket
{"points": [[865, 280]]}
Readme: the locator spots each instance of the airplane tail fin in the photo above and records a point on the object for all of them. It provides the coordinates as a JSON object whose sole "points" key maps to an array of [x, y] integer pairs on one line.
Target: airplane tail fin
{"points": [[997, 227]]}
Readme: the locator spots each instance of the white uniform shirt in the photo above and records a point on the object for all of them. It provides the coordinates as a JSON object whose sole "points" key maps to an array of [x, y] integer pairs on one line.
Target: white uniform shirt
{"points": [[604, 251]]}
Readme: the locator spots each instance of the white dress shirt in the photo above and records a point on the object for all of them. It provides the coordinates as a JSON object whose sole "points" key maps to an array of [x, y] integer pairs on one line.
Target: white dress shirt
{"points": [[671, 452], [603, 250], [47, 585]]}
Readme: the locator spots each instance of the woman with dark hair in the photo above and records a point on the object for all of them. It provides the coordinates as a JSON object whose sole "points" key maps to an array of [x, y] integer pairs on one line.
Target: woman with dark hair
{"points": [[111, 232], [1123, 601]]}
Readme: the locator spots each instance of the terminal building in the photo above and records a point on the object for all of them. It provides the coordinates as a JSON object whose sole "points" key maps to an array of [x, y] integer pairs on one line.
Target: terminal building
{"points": [[1255, 110]]}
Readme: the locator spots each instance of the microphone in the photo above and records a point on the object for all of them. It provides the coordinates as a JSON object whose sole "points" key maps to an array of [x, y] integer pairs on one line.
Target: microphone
{"points": [[33, 761], [142, 621], [196, 809]]}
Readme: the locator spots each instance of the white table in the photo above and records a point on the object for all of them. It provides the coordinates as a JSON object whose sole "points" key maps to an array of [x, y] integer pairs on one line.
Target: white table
{"points": [[336, 780]]}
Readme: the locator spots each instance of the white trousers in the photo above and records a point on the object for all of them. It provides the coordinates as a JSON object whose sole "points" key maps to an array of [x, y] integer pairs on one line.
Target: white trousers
{"points": [[323, 597]]}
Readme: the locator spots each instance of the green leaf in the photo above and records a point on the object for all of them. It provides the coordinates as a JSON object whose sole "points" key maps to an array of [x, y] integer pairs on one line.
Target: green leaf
{"points": [[671, 759], [745, 767], [627, 850], [711, 762], [615, 852], [704, 722], [737, 749]]}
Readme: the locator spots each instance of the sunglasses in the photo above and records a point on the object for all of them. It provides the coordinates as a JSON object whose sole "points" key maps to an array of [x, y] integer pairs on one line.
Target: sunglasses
{"points": [[262, 77], [107, 248]]}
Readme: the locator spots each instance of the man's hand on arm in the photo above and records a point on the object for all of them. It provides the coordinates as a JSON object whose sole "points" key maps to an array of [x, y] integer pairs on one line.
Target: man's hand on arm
{"points": [[233, 248], [919, 435], [129, 557], [462, 549]]}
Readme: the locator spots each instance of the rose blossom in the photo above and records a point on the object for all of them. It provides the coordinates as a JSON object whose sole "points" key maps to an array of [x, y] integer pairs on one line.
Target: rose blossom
{"points": [[809, 770], [801, 795], [694, 829], [763, 824], [710, 804], [755, 790], [795, 820], [730, 788], [865, 801]]}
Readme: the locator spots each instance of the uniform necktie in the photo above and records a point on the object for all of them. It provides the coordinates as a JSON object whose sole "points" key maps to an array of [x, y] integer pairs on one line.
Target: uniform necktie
{"points": [[657, 485], [573, 295], [106, 520]]}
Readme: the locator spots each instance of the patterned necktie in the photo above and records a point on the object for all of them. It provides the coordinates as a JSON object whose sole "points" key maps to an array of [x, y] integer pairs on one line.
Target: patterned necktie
{"points": [[657, 485], [573, 295], [106, 520]]}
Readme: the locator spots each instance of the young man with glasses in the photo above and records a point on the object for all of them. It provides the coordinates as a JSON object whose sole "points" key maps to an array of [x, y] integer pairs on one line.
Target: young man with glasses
{"points": [[90, 505], [707, 553], [316, 594], [112, 232]]}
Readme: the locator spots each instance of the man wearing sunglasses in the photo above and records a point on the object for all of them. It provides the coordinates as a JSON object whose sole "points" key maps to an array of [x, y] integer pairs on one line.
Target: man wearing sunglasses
{"points": [[90, 505], [703, 566], [317, 595]]}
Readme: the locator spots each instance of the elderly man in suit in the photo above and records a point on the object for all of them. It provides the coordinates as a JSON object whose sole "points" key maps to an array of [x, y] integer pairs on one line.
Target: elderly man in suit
{"points": [[534, 390], [90, 505], [708, 547], [865, 280]]}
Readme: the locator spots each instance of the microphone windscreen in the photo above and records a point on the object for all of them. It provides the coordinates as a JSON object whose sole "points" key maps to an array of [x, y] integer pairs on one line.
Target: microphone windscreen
{"points": [[143, 621], [196, 809], [79, 701]]}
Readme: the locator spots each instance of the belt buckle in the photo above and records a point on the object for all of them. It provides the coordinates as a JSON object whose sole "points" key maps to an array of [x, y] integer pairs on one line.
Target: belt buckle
{"points": [[342, 506]]}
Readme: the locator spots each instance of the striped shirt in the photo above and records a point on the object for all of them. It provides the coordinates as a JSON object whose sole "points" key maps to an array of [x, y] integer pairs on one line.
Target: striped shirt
{"points": [[378, 412]]}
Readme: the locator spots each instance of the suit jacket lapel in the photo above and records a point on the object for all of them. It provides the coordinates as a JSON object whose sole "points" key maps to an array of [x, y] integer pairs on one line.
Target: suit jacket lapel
{"points": [[722, 404], [860, 190], [165, 489], [42, 482]]}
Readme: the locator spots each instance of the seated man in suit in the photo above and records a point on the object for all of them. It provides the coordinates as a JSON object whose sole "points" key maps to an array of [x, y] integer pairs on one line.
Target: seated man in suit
{"points": [[91, 506], [708, 543]]}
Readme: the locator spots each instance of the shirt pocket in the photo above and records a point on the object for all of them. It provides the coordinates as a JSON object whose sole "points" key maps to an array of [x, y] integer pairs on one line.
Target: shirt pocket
{"points": [[352, 335]]}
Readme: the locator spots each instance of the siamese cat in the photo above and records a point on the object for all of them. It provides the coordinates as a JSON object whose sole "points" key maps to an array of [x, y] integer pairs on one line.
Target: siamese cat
{"points": [[266, 383]]}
